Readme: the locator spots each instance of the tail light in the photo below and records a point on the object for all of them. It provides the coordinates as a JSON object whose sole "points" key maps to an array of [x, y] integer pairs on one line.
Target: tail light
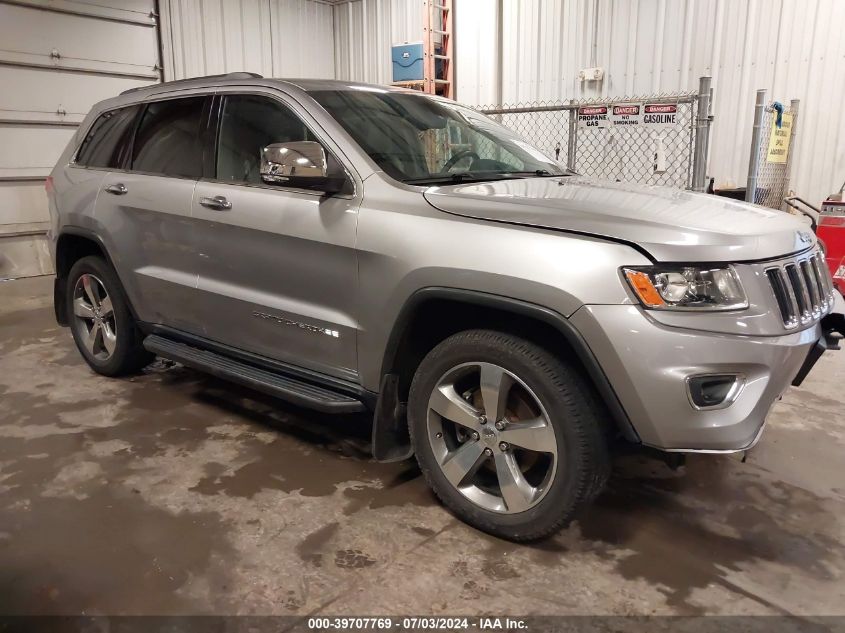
{"points": [[48, 185]]}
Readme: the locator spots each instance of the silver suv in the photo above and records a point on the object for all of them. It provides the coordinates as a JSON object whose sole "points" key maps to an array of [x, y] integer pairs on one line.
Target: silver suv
{"points": [[355, 248]]}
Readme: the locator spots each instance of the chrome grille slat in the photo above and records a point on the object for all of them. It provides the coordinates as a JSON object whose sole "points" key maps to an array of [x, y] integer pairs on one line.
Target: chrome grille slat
{"points": [[802, 289], [812, 289], [785, 299], [824, 276]]}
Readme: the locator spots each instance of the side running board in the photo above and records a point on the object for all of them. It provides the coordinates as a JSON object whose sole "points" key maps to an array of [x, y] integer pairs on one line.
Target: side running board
{"points": [[284, 387]]}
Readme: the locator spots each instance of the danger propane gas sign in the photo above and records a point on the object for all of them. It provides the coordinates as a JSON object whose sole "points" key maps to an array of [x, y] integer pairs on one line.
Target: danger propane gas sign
{"points": [[593, 117]]}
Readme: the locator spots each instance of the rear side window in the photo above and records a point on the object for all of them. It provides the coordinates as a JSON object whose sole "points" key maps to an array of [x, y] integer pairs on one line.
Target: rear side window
{"points": [[169, 138], [106, 138]]}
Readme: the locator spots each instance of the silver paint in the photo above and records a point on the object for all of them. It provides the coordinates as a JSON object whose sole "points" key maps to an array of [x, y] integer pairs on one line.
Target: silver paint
{"points": [[348, 264]]}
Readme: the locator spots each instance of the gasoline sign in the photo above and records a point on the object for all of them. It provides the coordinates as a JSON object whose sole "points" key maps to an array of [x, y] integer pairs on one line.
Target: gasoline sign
{"points": [[659, 116], [593, 117]]}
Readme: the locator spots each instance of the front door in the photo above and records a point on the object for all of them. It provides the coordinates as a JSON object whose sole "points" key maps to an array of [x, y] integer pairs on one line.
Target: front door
{"points": [[278, 271]]}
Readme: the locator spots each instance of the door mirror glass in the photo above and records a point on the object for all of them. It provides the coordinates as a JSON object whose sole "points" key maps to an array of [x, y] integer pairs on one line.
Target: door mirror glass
{"points": [[295, 164]]}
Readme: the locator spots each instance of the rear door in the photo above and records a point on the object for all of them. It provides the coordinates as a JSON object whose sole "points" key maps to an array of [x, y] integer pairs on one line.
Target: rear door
{"points": [[278, 271], [145, 210]]}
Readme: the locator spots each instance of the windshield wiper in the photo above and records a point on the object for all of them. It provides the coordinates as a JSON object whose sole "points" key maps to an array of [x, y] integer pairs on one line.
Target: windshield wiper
{"points": [[537, 173], [457, 178]]}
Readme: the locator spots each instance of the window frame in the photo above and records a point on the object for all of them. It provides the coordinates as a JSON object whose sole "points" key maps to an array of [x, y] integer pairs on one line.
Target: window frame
{"points": [[122, 143], [204, 117], [213, 132]]}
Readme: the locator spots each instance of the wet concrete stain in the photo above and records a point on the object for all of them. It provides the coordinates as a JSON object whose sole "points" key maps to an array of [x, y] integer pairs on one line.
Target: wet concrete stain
{"points": [[312, 547], [668, 536], [108, 557], [353, 559]]}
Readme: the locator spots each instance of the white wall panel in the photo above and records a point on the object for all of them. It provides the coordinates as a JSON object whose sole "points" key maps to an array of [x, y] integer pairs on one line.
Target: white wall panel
{"points": [[33, 36], [275, 38], [302, 38], [365, 30], [58, 58], [476, 65], [64, 102], [19, 199], [793, 48]]}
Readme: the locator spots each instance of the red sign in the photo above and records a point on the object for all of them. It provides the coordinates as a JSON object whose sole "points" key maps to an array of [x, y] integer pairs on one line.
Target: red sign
{"points": [[622, 110], [660, 108]]}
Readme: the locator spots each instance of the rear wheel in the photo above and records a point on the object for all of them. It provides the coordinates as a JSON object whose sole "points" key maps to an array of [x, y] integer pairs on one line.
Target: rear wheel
{"points": [[102, 325], [506, 434]]}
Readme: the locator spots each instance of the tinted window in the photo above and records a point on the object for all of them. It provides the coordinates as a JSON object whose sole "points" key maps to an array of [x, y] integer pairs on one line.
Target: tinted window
{"points": [[169, 138], [248, 124], [102, 145]]}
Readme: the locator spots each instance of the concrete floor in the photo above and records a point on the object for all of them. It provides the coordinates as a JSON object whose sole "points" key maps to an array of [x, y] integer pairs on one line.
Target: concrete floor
{"points": [[173, 493]]}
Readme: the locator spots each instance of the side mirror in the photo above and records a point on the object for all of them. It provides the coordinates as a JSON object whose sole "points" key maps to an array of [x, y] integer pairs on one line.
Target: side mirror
{"points": [[300, 164]]}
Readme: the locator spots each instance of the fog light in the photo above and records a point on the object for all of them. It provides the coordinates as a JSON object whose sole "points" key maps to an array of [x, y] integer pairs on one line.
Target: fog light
{"points": [[714, 391]]}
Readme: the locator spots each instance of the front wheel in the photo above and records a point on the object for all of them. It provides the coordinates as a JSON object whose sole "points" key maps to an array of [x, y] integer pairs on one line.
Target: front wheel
{"points": [[507, 435]]}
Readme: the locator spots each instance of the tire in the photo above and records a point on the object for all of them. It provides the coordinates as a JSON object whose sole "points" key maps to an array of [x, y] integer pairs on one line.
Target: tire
{"points": [[107, 337], [558, 443]]}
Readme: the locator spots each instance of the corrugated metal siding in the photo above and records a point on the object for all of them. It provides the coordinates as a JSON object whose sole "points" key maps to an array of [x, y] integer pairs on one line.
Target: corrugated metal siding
{"points": [[364, 32], [794, 48], [276, 38]]}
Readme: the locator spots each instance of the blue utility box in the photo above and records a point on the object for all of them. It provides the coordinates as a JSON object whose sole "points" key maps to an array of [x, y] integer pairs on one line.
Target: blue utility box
{"points": [[407, 62]]}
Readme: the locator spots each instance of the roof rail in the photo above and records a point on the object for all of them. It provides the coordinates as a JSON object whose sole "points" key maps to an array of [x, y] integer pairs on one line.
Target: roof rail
{"points": [[236, 75]]}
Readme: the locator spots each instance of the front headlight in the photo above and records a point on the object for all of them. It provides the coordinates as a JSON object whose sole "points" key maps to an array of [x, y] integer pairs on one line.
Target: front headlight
{"points": [[687, 287]]}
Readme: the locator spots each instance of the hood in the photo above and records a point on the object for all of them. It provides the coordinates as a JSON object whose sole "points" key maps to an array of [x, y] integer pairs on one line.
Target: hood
{"points": [[671, 225]]}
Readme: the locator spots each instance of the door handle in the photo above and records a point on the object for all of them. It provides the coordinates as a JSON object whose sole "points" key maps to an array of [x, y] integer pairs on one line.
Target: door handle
{"points": [[117, 189], [218, 203]]}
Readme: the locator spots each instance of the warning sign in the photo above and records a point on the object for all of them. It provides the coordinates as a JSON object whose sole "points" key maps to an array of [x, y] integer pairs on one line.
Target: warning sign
{"points": [[659, 116], [627, 114], [779, 140], [593, 117]]}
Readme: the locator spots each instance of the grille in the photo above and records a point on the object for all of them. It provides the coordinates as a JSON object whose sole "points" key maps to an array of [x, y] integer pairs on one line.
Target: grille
{"points": [[803, 289]]}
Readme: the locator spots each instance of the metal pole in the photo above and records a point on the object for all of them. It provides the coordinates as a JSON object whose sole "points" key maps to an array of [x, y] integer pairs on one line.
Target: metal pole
{"points": [[572, 140], [702, 132], [793, 108], [500, 53], [756, 139]]}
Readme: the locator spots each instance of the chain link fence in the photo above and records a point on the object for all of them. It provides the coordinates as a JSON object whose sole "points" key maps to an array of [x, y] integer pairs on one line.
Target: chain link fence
{"points": [[648, 139], [771, 151]]}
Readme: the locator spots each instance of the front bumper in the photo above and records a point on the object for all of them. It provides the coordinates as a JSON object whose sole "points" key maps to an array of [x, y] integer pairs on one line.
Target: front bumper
{"points": [[648, 365]]}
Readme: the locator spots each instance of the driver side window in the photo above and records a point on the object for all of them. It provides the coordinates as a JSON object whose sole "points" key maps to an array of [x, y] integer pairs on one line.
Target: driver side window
{"points": [[249, 123]]}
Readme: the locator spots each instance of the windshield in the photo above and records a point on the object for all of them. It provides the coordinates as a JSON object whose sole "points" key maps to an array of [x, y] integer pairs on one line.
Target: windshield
{"points": [[419, 139]]}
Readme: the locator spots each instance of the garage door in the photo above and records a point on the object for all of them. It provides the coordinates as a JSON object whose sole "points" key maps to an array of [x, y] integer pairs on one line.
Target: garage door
{"points": [[58, 58]]}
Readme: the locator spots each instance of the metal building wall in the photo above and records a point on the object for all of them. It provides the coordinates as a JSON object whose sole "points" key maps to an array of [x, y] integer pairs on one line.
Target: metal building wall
{"points": [[58, 58], [276, 38], [364, 32], [794, 48]]}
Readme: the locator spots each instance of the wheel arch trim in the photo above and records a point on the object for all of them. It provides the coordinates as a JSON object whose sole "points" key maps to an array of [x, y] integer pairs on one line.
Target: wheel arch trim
{"points": [[516, 306], [59, 285]]}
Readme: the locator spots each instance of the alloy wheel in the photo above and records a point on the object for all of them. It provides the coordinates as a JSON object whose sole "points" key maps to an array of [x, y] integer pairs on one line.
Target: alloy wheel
{"points": [[94, 318], [491, 437]]}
